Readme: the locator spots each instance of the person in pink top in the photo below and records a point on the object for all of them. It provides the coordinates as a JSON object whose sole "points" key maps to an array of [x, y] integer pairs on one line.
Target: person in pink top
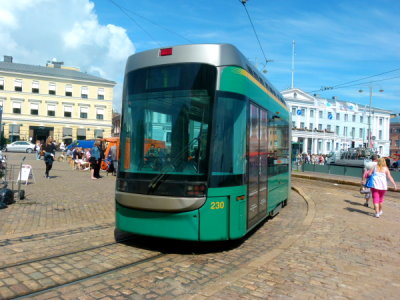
{"points": [[381, 172]]}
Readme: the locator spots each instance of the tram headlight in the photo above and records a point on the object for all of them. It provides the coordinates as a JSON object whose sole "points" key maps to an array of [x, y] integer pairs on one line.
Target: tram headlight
{"points": [[122, 185], [196, 190]]}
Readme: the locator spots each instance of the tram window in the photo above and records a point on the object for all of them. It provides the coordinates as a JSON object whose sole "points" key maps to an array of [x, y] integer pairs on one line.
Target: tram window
{"points": [[278, 150], [169, 107], [229, 139]]}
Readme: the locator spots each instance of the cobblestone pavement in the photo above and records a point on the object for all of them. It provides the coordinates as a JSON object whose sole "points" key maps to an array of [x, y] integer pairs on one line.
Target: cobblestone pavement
{"points": [[69, 199], [323, 245]]}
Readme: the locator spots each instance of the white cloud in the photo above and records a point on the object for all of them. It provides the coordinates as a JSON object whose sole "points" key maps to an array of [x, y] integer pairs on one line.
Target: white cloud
{"points": [[35, 31]]}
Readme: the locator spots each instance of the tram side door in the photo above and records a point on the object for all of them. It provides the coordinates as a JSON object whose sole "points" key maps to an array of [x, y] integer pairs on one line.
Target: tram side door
{"points": [[257, 167]]}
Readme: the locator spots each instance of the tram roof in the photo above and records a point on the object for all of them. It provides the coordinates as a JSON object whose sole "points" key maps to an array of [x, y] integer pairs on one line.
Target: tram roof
{"points": [[212, 54]]}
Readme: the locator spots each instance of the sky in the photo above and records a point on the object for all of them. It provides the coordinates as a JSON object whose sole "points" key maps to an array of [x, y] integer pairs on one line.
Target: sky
{"points": [[340, 44]]}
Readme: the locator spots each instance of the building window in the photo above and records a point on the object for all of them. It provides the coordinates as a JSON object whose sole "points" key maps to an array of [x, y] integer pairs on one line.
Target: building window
{"points": [[345, 131], [360, 134], [337, 129], [81, 134], [303, 111], [35, 87], [84, 112], [302, 125], [68, 90], [311, 113], [14, 132], [52, 88], [346, 117], [353, 132], [100, 94], [337, 116], [51, 110], [361, 119], [380, 121], [84, 92], [380, 134], [311, 126], [293, 124], [99, 113], [67, 133], [18, 85], [1, 84], [354, 118], [98, 133], [319, 126], [16, 107], [321, 114], [34, 109], [328, 127], [68, 111]]}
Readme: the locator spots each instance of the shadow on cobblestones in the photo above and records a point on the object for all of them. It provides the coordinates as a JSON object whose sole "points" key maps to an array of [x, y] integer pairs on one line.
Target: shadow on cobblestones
{"points": [[354, 203], [171, 246], [350, 209]]}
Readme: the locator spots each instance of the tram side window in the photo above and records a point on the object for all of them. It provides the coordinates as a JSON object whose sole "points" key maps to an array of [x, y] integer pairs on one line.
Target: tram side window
{"points": [[229, 140], [278, 145]]}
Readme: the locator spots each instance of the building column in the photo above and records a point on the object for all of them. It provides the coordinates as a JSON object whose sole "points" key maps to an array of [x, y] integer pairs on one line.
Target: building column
{"points": [[305, 145]]}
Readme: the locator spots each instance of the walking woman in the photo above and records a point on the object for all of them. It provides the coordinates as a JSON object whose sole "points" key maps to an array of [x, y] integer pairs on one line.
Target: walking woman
{"points": [[49, 154], [381, 172], [95, 160]]}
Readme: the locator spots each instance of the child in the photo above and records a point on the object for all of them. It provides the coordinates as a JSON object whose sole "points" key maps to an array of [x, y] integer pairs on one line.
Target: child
{"points": [[364, 190]]}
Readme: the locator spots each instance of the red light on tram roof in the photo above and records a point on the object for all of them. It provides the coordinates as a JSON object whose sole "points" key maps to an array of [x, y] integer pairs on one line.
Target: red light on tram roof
{"points": [[165, 51]]}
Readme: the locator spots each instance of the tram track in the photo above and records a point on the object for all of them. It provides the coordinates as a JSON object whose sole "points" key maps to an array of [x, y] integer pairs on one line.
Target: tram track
{"points": [[53, 234], [39, 259], [83, 264], [89, 277]]}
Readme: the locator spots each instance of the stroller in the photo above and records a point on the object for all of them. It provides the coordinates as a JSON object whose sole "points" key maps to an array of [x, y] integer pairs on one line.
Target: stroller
{"points": [[107, 165]]}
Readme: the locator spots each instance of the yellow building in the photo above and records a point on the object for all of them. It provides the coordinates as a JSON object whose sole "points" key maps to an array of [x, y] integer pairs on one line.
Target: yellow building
{"points": [[54, 100]]}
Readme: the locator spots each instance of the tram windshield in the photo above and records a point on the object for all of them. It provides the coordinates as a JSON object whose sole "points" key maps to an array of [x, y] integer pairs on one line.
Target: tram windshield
{"points": [[165, 123]]}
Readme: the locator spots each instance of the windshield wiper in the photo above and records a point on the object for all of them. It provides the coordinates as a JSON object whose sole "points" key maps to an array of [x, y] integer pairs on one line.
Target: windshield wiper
{"points": [[154, 183]]}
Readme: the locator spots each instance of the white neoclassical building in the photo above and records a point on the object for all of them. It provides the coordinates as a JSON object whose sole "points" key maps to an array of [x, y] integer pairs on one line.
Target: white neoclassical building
{"points": [[325, 125]]}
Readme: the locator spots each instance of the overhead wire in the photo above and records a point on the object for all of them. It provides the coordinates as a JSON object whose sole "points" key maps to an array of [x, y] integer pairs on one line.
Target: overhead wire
{"points": [[132, 19], [340, 85], [254, 29], [368, 82], [152, 22]]}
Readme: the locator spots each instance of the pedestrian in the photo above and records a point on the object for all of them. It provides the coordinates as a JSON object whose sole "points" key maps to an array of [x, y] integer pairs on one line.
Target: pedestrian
{"points": [[366, 190], [38, 148], [95, 160], [114, 159], [380, 174], [49, 154]]}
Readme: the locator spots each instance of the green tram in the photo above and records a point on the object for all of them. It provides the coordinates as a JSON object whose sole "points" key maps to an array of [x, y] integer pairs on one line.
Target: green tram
{"points": [[204, 153]]}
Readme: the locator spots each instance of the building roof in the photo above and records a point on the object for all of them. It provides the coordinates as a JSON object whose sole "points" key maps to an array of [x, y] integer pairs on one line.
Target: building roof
{"points": [[395, 120], [51, 72], [297, 95]]}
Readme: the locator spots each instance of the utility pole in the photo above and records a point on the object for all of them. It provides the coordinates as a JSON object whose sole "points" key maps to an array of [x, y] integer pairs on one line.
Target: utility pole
{"points": [[369, 113], [293, 53]]}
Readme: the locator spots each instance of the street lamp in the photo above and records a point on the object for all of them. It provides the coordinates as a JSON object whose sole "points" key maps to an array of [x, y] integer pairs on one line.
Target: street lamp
{"points": [[369, 118]]}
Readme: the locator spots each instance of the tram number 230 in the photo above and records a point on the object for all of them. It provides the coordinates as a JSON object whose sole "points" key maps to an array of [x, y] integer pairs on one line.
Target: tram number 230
{"points": [[218, 205]]}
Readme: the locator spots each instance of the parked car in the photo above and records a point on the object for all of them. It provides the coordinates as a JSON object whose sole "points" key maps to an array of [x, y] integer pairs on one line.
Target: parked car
{"points": [[21, 146]]}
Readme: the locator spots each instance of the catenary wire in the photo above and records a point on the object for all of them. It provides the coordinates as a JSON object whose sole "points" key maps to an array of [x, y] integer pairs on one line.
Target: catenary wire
{"points": [[133, 20], [152, 22], [367, 82], [346, 83], [254, 29]]}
